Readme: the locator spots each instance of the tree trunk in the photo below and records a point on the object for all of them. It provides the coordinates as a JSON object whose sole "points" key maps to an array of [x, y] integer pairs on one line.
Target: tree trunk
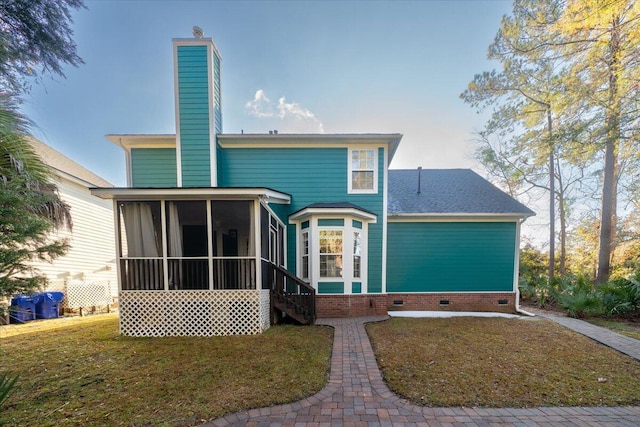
{"points": [[562, 214], [552, 200], [608, 218]]}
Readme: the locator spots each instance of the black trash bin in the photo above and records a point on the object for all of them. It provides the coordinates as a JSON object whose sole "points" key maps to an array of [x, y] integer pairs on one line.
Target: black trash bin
{"points": [[23, 308], [48, 304]]}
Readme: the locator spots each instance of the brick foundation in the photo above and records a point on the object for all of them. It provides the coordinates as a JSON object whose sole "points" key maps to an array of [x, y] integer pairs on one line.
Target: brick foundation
{"points": [[379, 304], [351, 305], [457, 302]]}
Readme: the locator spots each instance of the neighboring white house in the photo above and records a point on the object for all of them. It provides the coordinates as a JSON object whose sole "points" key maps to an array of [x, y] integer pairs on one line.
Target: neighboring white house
{"points": [[87, 273]]}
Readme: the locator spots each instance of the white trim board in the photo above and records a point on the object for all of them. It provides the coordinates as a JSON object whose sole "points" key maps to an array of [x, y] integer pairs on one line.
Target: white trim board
{"points": [[332, 213], [453, 217], [264, 194], [448, 314]]}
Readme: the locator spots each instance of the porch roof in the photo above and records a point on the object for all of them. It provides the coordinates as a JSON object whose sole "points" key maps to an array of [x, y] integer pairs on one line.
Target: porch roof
{"points": [[226, 193]]}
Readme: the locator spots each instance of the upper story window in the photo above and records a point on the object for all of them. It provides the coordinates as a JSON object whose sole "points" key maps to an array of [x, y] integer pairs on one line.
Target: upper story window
{"points": [[363, 171]]}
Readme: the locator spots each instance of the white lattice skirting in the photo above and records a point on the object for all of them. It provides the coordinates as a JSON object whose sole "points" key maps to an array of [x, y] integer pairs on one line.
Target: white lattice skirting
{"points": [[82, 293], [193, 313]]}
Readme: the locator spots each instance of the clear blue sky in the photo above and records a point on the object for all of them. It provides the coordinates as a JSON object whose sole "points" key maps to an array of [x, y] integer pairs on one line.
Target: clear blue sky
{"points": [[341, 67]]}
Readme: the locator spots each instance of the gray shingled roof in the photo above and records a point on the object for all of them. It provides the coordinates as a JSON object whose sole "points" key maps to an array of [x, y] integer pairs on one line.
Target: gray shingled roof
{"points": [[61, 163], [448, 191]]}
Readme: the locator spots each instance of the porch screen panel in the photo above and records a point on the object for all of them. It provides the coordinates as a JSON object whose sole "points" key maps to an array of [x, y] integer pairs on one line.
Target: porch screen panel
{"points": [[264, 245], [188, 245], [264, 232], [140, 257], [233, 237], [281, 244]]}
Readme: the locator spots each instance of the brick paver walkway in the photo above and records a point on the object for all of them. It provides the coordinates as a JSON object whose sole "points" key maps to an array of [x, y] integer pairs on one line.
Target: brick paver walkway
{"points": [[623, 344], [356, 395]]}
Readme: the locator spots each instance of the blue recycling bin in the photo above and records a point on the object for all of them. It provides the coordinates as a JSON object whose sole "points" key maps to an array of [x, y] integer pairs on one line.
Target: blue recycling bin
{"points": [[23, 308], [48, 304]]}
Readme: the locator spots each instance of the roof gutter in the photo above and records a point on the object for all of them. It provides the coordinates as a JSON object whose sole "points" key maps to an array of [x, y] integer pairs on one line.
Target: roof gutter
{"points": [[439, 217]]}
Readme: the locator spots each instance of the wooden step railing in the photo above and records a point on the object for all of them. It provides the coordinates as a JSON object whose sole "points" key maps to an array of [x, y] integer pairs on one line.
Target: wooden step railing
{"points": [[290, 294]]}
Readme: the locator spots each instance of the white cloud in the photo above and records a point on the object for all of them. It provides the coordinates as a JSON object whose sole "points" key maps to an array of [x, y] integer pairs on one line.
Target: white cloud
{"points": [[291, 116], [260, 106]]}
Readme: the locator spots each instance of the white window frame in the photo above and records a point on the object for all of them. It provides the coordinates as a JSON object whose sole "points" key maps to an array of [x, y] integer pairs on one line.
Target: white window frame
{"points": [[340, 254], [305, 253], [350, 171], [348, 230], [354, 254], [274, 245]]}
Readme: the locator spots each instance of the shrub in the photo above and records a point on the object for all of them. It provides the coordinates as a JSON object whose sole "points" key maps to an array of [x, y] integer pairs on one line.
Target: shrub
{"points": [[576, 295], [621, 296], [533, 280]]}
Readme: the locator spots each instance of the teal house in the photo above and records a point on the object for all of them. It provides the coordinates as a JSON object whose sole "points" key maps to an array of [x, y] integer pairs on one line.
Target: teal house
{"points": [[221, 234]]}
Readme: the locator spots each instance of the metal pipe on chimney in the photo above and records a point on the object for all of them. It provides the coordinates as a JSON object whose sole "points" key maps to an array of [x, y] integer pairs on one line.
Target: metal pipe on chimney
{"points": [[419, 177]]}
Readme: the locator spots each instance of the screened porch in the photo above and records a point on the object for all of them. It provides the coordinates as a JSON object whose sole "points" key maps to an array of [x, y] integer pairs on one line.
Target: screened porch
{"points": [[187, 245], [190, 260]]}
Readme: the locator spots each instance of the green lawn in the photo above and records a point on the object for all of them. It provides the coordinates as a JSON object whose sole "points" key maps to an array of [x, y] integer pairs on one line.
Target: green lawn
{"points": [[84, 373], [500, 363]]}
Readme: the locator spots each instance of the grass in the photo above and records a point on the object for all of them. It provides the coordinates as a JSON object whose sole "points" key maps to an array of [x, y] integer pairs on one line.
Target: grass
{"points": [[621, 326], [500, 363], [84, 373]]}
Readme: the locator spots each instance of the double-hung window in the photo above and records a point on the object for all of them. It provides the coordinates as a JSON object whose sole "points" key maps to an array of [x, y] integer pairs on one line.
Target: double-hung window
{"points": [[363, 171], [331, 253], [357, 254], [305, 254]]}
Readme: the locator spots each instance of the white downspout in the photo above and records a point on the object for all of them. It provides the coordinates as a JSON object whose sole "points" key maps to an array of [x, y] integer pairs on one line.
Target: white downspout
{"points": [[517, 266]]}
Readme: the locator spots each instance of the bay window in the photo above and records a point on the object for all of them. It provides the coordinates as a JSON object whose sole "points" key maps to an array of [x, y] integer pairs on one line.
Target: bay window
{"points": [[332, 248]]}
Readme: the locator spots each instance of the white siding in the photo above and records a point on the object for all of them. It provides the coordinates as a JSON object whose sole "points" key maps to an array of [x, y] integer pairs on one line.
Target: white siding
{"points": [[92, 253]]}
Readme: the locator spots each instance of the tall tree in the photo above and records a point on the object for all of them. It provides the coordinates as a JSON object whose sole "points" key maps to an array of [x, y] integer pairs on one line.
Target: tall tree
{"points": [[30, 207], [584, 54], [33, 34], [524, 90], [599, 41], [35, 39]]}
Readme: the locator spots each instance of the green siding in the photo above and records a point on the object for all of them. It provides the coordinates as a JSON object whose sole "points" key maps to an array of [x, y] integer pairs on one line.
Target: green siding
{"points": [[356, 288], [450, 257], [153, 167], [374, 269], [219, 160], [309, 175], [193, 101], [330, 288]]}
